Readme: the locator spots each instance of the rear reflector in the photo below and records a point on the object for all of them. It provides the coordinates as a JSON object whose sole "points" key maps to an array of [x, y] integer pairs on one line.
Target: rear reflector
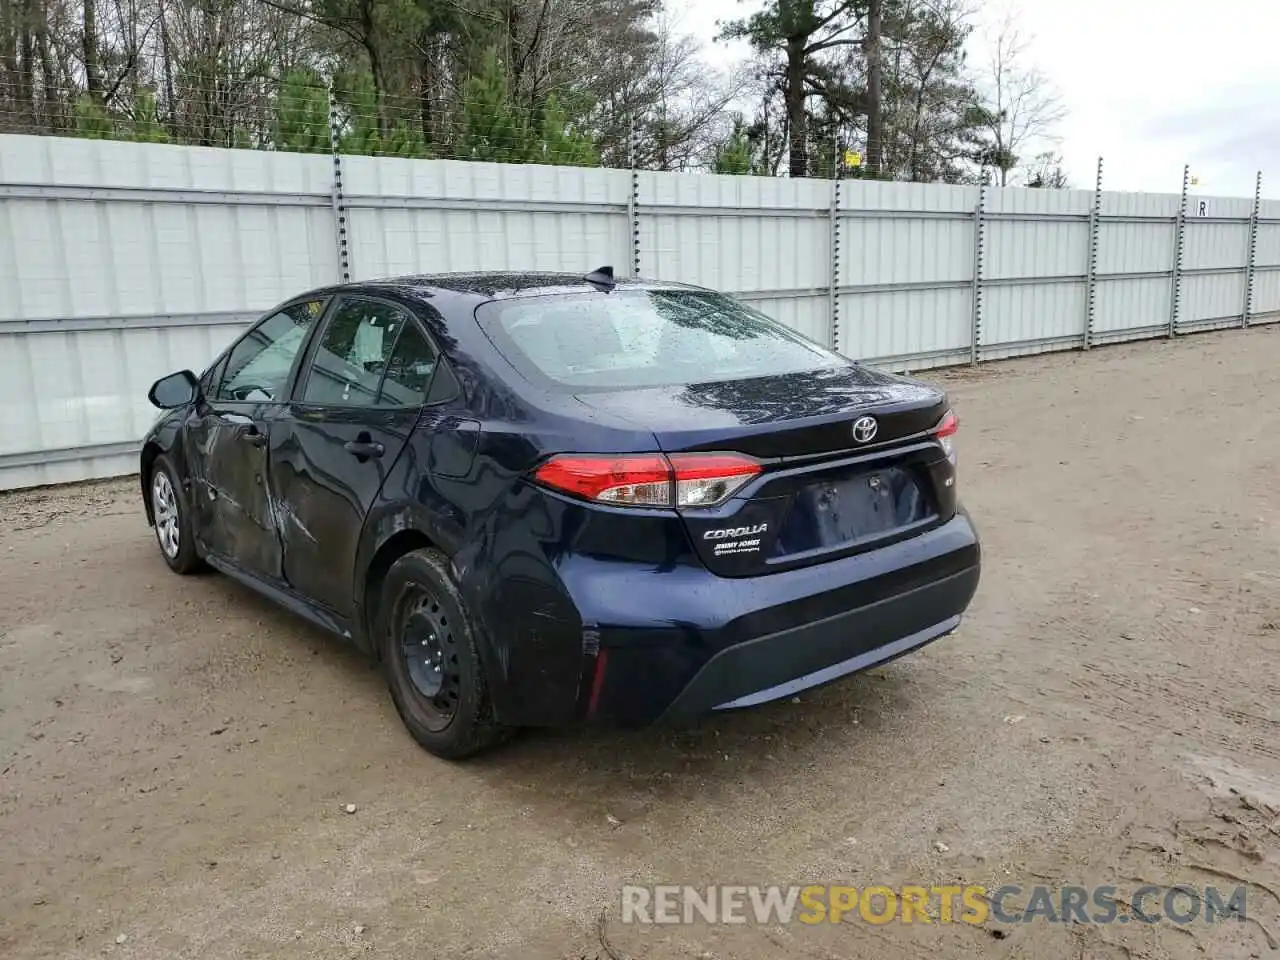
{"points": [[597, 681], [649, 479]]}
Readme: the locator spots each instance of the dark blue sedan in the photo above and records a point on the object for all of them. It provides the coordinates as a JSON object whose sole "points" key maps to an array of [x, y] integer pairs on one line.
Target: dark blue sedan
{"points": [[542, 499]]}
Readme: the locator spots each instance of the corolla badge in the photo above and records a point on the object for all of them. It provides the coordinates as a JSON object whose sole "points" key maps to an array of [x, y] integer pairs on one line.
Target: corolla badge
{"points": [[864, 429]]}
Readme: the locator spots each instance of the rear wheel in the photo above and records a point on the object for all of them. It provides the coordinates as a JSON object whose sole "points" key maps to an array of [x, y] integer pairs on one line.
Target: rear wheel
{"points": [[431, 661], [172, 519]]}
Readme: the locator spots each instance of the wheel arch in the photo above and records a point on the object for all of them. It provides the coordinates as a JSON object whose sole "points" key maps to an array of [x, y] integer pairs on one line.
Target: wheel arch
{"points": [[165, 439], [146, 463], [375, 574]]}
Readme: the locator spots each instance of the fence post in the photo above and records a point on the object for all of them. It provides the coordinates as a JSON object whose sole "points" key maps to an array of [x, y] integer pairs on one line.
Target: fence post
{"points": [[336, 195], [633, 201], [1253, 250], [833, 295], [1091, 281], [1175, 298], [975, 330]]}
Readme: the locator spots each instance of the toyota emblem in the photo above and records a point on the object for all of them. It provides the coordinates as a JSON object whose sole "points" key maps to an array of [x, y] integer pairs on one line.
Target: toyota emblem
{"points": [[864, 429]]}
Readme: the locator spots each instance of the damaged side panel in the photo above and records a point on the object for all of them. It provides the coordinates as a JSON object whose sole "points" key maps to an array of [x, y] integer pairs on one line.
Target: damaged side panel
{"points": [[231, 488]]}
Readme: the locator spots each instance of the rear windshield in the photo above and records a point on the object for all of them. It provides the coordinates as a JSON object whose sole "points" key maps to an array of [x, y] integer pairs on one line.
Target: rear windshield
{"points": [[645, 338]]}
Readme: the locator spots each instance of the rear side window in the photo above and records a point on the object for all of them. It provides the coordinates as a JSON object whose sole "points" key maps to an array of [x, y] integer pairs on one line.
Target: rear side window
{"points": [[408, 374], [353, 353], [645, 338]]}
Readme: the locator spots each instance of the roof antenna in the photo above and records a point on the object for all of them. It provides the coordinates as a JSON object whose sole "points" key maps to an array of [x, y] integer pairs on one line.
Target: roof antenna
{"points": [[602, 279]]}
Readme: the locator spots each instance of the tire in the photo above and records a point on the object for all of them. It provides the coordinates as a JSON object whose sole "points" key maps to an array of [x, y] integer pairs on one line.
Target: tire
{"points": [[172, 519], [429, 654]]}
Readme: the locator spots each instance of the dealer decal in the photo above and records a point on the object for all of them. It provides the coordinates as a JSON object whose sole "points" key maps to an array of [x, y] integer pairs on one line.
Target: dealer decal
{"points": [[736, 539]]}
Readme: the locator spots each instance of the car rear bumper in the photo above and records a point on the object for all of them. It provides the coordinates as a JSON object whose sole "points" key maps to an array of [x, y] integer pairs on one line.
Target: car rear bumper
{"points": [[720, 643], [746, 675]]}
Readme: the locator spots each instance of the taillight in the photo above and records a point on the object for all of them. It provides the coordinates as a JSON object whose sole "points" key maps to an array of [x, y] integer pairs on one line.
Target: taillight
{"points": [[637, 481], [649, 479], [706, 479], [945, 431]]}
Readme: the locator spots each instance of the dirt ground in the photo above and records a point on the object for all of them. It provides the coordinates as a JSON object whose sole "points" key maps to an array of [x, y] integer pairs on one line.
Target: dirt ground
{"points": [[176, 755]]}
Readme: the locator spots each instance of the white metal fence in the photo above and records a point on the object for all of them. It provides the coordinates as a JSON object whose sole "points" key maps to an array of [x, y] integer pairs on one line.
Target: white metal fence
{"points": [[120, 262]]}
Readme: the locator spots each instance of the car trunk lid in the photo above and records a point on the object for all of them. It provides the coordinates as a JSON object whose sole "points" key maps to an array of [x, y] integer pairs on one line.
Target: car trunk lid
{"points": [[823, 491]]}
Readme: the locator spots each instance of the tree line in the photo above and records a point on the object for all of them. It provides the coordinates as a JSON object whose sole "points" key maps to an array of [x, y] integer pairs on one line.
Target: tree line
{"points": [[580, 82]]}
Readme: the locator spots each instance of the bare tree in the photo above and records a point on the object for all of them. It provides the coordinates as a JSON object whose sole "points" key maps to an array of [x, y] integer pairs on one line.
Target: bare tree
{"points": [[873, 48], [1017, 105], [1046, 172]]}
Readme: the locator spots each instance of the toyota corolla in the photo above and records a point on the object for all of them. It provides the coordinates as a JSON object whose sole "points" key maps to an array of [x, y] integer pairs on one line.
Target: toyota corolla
{"points": [[545, 499]]}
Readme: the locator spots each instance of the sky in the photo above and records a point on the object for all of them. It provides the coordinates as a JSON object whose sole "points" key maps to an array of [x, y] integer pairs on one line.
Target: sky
{"points": [[1148, 84]]}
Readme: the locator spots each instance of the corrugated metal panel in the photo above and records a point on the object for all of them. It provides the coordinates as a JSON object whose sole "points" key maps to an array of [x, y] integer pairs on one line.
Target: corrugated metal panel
{"points": [[1135, 247], [1036, 248], [536, 217], [91, 467], [1015, 200], [60, 391], [1128, 305], [119, 164], [1266, 279], [121, 262], [1268, 250], [742, 235], [875, 250], [917, 197], [1237, 208], [1211, 297], [808, 315], [174, 247], [1208, 245], [1034, 235], [1132, 304], [1022, 313], [875, 326], [932, 252], [1266, 294], [1140, 204]]}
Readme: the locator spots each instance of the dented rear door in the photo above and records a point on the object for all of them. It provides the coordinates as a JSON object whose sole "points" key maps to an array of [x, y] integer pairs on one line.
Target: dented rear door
{"points": [[359, 398]]}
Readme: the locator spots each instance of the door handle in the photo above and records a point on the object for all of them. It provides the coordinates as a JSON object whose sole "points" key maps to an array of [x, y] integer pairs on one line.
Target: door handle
{"points": [[364, 449], [254, 437]]}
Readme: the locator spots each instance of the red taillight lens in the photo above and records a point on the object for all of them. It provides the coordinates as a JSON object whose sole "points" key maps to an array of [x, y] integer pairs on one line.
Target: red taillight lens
{"points": [[945, 431], [948, 425], [649, 479], [705, 479], [639, 481]]}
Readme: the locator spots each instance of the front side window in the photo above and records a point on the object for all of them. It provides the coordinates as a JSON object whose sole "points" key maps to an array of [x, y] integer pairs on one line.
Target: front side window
{"points": [[353, 354], [257, 369], [645, 338]]}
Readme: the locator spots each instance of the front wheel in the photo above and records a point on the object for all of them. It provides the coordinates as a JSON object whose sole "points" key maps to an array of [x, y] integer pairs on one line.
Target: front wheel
{"points": [[431, 661], [172, 521]]}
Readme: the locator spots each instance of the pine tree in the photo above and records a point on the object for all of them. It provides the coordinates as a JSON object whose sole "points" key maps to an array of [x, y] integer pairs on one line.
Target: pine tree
{"points": [[92, 121], [733, 156], [146, 120], [493, 127], [561, 142], [302, 114]]}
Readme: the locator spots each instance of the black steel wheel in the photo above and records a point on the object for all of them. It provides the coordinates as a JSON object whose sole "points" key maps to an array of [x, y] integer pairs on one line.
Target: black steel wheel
{"points": [[429, 654]]}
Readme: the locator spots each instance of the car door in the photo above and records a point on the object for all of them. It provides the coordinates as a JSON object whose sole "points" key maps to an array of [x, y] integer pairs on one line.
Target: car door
{"points": [[356, 402], [228, 436]]}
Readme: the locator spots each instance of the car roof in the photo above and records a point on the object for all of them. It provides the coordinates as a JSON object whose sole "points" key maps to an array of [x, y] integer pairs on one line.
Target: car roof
{"points": [[504, 285]]}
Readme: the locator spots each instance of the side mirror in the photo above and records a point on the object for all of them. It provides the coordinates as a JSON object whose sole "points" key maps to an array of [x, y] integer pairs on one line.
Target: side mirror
{"points": [[175, 390]]}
